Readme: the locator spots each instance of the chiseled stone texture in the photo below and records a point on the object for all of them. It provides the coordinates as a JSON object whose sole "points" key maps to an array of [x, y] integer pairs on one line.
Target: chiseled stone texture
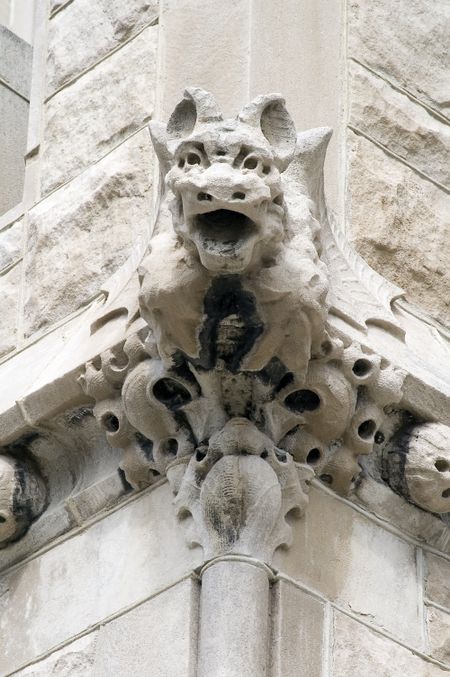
{"points": [[9, 294], [157, 638], [355, 562], [437, 579], [407, 41], [400, 224], [359, 651], [111, 102], [438, 627], [397, 122], [74, 660], [297, 632], [11, 244], [119, 561], [82, 233], [85, 32]]}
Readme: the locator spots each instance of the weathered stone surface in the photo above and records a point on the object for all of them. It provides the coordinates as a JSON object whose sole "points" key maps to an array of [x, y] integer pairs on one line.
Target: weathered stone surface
{"points": [[11, 244], [111, 101], [353, 561], [396, 121], [359, 651], [118, 561], [15, 67], [74, 660], [400, 224], [405, 41], [156, 638], [9, 294], [378, 498], [13, 137], [82, 233], [438, 628], [86, 31], [297, 632], [437, 579]]}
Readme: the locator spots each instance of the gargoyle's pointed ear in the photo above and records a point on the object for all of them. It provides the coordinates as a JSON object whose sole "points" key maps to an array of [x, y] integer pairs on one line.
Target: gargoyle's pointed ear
{"points": [[268, 112], [196, 106]]}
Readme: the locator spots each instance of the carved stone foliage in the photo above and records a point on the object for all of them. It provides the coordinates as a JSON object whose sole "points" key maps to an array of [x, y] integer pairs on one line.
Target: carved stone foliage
{"points": [[239, 390]]}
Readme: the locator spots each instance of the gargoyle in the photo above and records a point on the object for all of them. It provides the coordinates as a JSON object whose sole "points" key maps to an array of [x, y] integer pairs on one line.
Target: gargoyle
{"points": [[234, 279]]}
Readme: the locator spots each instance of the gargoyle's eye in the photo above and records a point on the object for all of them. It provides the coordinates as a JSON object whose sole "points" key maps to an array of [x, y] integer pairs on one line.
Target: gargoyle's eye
{"points": [[250, 163], [266, 169], [193, 159]]}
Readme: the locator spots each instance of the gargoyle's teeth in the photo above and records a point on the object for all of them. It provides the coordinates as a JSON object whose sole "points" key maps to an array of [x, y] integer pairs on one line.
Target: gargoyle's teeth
{"points": [[223, 226]]}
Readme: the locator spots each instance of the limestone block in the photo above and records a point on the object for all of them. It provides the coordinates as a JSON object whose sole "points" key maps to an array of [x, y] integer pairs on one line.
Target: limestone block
{"points": [[86, 31], [111, 101], [396, 121], [9, 294], [15, 67], [297, 633], [400, 225], [13, 137], [81, 234], [11, 244], [379, 499], [419, 61], [116, 562], [74, 660], [437, 580], [438, 629], [359, 651], [159, 635], [353, 561]]}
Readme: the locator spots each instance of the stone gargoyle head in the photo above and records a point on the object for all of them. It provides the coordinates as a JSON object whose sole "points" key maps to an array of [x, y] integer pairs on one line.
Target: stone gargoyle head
{"points": [[225, 177]]}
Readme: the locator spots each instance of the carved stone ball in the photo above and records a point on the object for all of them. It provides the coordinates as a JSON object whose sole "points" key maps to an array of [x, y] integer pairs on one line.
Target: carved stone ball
{"points": [[427, 467]]}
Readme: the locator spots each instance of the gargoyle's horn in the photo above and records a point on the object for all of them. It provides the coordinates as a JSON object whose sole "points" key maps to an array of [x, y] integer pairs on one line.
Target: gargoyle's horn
{"points": [[268, 113], [206, 105]]}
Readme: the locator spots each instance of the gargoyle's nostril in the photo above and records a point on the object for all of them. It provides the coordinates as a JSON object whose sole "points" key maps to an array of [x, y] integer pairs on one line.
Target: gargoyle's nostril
{"points": [[204, 196], [238, 196]]}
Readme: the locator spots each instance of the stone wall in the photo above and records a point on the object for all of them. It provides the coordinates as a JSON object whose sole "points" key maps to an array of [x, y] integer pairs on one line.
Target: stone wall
{"points": [[365, 586], [398, 145]]}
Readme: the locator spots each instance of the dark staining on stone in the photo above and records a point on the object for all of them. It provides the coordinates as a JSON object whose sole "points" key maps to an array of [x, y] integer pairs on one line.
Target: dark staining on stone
{"points": [[126, 485], [231, 326], [442, 465], [379, 437], [171, 393], [79, 416], [300, 401], [145, 445], [169, 446]]}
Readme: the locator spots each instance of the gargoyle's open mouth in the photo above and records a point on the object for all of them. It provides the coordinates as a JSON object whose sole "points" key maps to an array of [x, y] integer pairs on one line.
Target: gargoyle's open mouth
{"points": [[223, 228]]}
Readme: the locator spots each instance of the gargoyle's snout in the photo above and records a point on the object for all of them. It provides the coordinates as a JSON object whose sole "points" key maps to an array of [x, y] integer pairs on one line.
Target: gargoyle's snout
{"points": [[223, 187]]}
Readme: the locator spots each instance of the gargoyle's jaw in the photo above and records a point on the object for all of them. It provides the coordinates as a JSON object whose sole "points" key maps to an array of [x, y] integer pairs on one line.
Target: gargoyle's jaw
{"points": [[224, 238]]}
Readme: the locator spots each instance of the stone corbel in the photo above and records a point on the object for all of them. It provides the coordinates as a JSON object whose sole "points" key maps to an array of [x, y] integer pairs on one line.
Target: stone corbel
{"points": [[243, 385]]}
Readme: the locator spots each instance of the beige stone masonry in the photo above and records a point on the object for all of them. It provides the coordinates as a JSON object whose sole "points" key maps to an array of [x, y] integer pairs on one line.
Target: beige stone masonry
{"points": [[81, 234], [85, 32], [112, 101]]}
